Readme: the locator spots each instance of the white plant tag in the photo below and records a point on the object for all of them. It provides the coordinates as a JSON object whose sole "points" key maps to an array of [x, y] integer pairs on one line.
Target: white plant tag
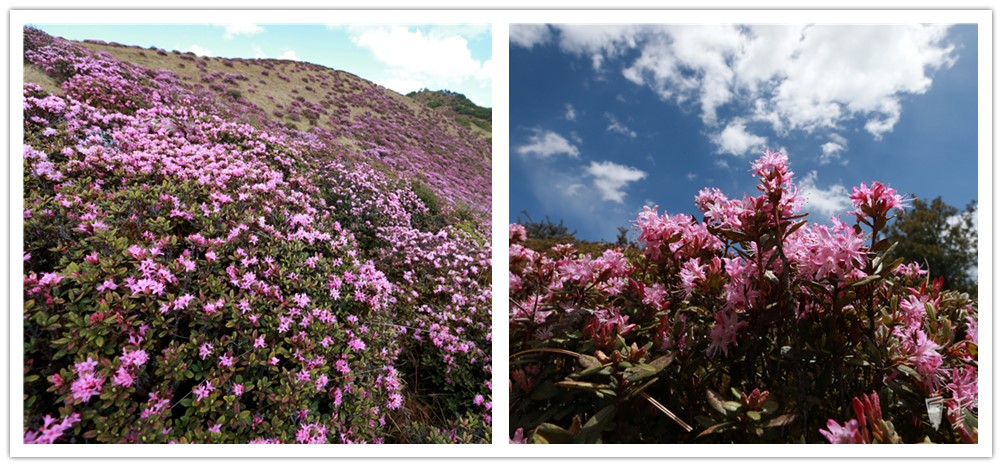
{"points": [[934, 407]]}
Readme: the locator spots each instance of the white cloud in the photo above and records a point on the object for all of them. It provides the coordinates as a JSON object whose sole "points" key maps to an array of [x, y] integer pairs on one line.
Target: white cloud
{"points": [[833, 149], [466, 30], [570, 114], [736, 140], [411, 56], [795, 78], [605, 39], [289, 55], [958, 219], [691, 176], [572, 189], [823, 201], [616, 127], [232, 30], [528, 35], [546, 144], [611, 179], [199, 50]]}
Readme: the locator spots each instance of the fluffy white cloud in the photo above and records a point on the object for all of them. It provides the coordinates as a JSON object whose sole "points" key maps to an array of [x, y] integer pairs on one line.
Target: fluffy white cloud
{"points": [[528, 35], [570, 114], [546, 144], [833, 149], [794, 77], [691, 176], [616, 127], [289, 55], [823, 201], [611, 179], [199, 50], [232, 30], [434, 60], [736, 140]]}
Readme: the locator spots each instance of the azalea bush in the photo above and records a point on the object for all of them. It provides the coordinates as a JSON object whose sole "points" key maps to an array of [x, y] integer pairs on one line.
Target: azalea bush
{"points": [[189, 277], [749, 325]]}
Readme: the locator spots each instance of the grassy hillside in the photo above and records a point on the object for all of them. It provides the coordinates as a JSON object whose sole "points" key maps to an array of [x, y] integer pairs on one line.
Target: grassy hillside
{"points": [[457, 107]]}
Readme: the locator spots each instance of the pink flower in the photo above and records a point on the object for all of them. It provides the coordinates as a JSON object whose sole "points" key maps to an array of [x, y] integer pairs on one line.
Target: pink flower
{"points": [[238, 389], [313, 433], [205, 350], [321, 382], [838, 434], [50, 430], [516, 233], [478, 399], [964, 386], [356, 344], [690, 273], [92, 258], [395, 402], [876, 198], [107, 285], [203, 390], [972, 329], [725, 332], [226, 360], [122, 377], [342, 366], [137, 252], [259, 342], [215, 428], [518, 437], [182, 302], [50, 279], [301, 299], [655, 296]]}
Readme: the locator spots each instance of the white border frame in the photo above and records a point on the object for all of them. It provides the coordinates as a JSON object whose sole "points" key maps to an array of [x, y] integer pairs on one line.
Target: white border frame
{"points": [[500, 20]]}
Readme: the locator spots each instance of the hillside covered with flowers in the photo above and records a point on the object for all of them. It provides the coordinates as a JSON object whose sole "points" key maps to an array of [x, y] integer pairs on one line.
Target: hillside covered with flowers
{"points": [[247, 251]]}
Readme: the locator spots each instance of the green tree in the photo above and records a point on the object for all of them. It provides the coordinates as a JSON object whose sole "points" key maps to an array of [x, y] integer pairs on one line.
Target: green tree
{"points": [[942, 237]]}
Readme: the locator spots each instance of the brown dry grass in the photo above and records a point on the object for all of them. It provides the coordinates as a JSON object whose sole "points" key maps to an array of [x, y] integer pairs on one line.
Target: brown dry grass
{"points": [[33, 74]]}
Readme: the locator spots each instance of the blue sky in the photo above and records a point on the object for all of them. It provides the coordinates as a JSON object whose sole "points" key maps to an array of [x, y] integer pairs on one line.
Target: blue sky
{"points": [[607, 119], [400, 57]]}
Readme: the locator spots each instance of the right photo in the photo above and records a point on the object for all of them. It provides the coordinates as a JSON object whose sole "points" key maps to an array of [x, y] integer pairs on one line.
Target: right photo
{"points": [[743, 233]]}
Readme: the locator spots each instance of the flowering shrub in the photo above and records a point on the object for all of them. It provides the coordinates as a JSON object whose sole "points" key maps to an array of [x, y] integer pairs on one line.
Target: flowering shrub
{"points": [[191, 278], [751, 325]]}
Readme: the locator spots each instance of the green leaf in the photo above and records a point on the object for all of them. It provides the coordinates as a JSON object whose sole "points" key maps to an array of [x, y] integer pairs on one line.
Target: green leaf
{"points": [[639, 372], [865, 281], [583, 385], [716, 401], [782, 420], [588, 361], [592, 430], [543, 391], [548, 433], [754, 415], [714, 429], [770, 406], [732, 406]]}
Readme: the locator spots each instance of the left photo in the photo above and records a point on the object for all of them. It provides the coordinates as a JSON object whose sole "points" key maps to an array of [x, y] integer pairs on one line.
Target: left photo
{"points": [[256, 233]]}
